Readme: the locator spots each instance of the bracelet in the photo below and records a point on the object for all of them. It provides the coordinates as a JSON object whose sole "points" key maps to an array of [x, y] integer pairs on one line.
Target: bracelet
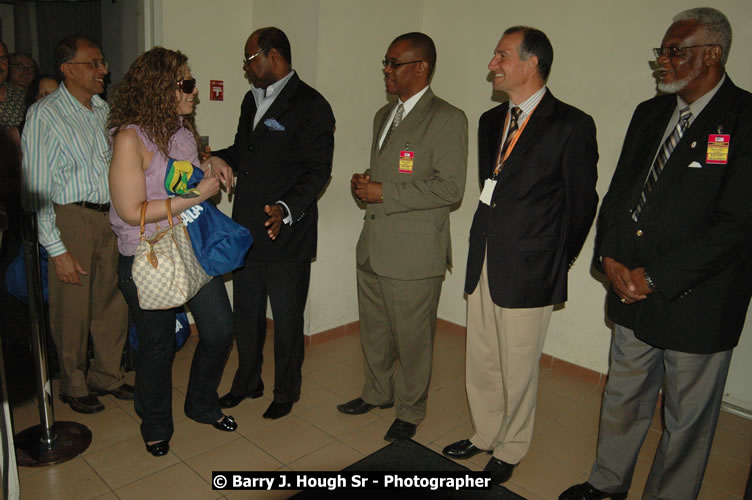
{"points": [[649, 281]]}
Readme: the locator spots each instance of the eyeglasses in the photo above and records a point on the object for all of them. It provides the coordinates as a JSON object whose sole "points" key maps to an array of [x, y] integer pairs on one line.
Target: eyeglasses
{"points": [[188, 85], [94, 64], [247, 60], [397, 64], [23, 67], [677, 51], [4, 58]]}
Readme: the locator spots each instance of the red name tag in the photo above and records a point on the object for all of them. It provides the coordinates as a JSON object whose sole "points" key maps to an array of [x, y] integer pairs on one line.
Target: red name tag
{"points": [[718, 148], [406, 161]]}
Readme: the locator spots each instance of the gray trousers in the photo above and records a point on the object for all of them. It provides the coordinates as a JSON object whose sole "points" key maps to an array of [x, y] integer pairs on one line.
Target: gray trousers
{"points": [[692, 391]]}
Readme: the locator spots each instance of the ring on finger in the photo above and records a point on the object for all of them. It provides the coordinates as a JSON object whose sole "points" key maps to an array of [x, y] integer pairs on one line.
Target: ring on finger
{"points": [[623, 300]]}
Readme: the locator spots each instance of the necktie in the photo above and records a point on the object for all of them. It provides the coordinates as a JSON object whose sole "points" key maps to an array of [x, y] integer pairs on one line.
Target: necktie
{"points": [[395, 123], [513, 125], [660, 161]]}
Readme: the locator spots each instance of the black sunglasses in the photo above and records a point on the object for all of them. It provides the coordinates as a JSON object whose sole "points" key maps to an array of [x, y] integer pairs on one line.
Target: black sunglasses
{"points": [[187, 85]]}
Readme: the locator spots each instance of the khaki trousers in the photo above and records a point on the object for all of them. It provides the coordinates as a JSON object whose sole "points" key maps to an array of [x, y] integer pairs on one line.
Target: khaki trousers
{"points": [[503, 352], [397, 328], [96, 307]]}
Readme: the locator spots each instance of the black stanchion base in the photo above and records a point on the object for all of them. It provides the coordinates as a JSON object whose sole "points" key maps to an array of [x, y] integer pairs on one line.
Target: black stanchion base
{"points": [[70, 439]]}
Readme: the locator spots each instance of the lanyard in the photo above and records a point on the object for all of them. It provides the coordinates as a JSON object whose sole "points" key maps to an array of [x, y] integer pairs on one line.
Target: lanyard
{"points": [[499, 160]]}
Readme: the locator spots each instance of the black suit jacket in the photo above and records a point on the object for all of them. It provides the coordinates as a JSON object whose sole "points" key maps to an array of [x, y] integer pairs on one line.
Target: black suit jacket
{"points": [[695, 232], [292, 165], [542, 207]]}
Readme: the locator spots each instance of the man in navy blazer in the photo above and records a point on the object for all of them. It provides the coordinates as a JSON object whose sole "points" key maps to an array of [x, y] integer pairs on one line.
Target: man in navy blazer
{"points": [[282, 156], [537, 166], [677, 252]]}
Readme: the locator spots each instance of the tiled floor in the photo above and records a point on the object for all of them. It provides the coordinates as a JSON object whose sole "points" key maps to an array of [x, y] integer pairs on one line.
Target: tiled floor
{"points": [[317, 437]]}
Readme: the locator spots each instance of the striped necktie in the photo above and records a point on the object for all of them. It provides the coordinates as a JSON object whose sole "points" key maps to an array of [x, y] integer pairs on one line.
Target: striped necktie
{"points": [[660, 161], [395, 123], [514, 116]]}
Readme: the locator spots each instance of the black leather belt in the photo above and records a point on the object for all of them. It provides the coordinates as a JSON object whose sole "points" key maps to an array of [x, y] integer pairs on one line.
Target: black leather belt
{"points": [[99, 207]]}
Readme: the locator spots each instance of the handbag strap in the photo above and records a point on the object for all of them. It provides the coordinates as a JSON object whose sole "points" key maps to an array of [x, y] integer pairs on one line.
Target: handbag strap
{"points": [[168, 204]]}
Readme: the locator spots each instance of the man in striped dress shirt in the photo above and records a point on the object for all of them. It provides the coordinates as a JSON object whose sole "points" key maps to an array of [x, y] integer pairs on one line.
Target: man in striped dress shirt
{"points": [[66, 153]]}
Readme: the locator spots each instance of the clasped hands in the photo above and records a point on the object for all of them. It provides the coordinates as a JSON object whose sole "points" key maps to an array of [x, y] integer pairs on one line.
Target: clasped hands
{"points": [[365, 190], [628, 284]]}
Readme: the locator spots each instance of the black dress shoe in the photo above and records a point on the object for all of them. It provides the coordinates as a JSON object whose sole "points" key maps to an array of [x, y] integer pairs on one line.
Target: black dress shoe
{"points": [[227, 424], [499, 469], [86, 404], [586, 491], [124, 392], [230, 400], [277, 410], [462, 449], [400, 431], [158, 449], [358, 407]]}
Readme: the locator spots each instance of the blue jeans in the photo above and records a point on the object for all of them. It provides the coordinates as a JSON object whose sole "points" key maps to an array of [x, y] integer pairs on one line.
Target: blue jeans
{"points": [[153, 361]]}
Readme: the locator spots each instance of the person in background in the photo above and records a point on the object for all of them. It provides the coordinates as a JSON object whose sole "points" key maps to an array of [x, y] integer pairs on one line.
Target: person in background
{"points": [[23, 70], [152, 121], [12, 103]]}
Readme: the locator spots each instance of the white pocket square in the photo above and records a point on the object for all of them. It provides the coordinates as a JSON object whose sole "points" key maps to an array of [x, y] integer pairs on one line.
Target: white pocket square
{"points": [[694, 164]]}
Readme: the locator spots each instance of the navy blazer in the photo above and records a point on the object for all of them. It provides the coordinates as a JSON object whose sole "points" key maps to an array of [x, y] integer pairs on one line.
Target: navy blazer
{"points": [[542, 207], [694, 235], [288, 157]]}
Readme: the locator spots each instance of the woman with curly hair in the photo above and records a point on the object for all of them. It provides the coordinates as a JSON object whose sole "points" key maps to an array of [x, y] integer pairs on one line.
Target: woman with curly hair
{"points": [[151, 122]]}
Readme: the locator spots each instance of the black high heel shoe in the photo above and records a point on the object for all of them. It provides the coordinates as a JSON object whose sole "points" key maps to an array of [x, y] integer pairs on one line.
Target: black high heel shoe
{"points": [[158, 449], [227, 424]]}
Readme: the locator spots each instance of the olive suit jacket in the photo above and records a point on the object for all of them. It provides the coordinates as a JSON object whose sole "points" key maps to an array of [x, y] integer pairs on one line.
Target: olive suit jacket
{"points": [[407, 236]]}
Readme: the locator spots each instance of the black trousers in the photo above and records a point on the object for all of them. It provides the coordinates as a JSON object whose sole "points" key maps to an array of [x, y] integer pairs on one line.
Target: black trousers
{"points": [[285, 284], [156, 349]]}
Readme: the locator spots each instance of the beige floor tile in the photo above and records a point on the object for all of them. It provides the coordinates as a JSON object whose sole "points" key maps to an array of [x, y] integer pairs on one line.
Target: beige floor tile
{"points": [[290, 438], [710, 492], [249, 415], [181, 370], [192, 438], [581, 418], [345, 380], [178, 481], [107, 496], [728, 475], [524, 493], [370, 438], [438, 422], [126, 462], [733, 445], [735, 423], [74, 480], [332, 457], [652, 440], [239, 454], [312, 394], [550, 406], [451, 397], [109, 427], [572, 387], [462, 431], [640, 476], [593, 398], [263, 495], [559, 475], [335, 423], [573, 448], [178, 402]]}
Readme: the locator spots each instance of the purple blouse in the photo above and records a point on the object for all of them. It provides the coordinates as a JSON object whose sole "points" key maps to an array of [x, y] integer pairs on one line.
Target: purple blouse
{"points": [[182, 147]]}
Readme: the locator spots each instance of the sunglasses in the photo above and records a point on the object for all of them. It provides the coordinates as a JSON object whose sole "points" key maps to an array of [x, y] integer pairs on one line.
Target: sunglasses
{"points": [[187, 85]]}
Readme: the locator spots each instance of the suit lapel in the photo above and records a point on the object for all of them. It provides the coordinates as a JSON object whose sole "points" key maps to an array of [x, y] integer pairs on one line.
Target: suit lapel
{"points": [[536, 126], [416, 115]]}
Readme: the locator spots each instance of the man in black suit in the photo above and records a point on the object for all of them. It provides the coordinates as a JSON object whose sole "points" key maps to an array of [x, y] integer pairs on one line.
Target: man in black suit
{"points": [[282, 155], [675, 241], [537, 165]]}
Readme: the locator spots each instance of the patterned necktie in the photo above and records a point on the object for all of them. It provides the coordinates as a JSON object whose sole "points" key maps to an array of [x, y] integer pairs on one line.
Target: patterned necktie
{"points": [[513, 125], [660, 161], [395, 123]]}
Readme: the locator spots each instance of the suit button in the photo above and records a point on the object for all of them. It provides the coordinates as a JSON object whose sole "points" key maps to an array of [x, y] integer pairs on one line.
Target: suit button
{"points": [[373, 216], [639, 233], [494, 205], [245, 172], [250, 148]]}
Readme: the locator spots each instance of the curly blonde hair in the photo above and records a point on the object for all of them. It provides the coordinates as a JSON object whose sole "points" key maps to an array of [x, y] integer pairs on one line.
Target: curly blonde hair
{"points": [[146, 97]]}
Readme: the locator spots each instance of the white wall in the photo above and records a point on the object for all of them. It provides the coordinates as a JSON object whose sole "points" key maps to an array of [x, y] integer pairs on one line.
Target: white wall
{"points": [[602, 54]]}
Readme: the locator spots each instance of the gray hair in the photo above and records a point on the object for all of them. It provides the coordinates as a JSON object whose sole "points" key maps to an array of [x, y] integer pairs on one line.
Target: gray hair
{"points": [[715, 25]]}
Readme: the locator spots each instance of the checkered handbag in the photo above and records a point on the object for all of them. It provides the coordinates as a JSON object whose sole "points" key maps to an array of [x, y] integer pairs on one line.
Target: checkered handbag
{"points": [[165, 269]]}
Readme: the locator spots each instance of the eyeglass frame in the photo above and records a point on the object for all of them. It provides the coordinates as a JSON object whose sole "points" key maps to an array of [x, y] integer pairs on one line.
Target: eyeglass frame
{"points": [[247, 60], [181, 84], [5, 58], [659, 52], [396, 64], [24, 67], [94, 64]]}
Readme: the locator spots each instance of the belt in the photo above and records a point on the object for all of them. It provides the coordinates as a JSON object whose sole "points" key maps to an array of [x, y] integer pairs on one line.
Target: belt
{"points": [[99, 207]]}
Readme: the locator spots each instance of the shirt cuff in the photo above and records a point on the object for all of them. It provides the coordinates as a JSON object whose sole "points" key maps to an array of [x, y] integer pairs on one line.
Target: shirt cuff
{"points": [[288, 218]]}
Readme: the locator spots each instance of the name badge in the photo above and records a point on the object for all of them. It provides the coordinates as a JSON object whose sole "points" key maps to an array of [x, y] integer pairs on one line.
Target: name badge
{"points": [[406, 161], [487, 193], [718, 148]]}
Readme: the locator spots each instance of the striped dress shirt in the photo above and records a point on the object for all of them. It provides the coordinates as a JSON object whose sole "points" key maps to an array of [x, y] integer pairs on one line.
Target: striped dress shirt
{"points": [[66, 157]]}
